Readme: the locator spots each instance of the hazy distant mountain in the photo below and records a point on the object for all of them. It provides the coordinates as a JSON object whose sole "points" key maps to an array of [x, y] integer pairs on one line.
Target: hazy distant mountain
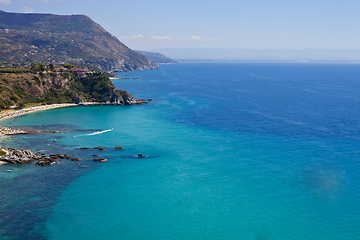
{"points": [[263, 55], [157, 57], [59, 39]]}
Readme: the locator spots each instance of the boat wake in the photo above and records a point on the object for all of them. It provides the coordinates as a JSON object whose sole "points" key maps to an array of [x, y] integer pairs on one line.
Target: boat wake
{"points": [[95, 133]]}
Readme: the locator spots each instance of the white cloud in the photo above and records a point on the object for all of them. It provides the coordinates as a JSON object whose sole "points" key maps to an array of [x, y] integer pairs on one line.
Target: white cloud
{"points": [[28, 10], [5, 1], [195, 38], [133, 37], [160, 38], [192, 38], [214, 39], [137, 36]]}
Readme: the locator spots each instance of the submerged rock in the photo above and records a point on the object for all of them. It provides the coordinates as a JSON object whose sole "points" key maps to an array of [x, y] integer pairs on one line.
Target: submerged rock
{"points": [[99, 148]]}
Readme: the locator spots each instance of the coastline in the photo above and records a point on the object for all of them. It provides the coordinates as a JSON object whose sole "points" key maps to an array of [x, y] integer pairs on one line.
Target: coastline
{"points": [[4, 131], [20, 112], [16, 113]]}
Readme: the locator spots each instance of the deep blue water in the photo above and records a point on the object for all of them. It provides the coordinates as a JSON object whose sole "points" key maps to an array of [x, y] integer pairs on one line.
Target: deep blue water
{"points": [[236, 151]]}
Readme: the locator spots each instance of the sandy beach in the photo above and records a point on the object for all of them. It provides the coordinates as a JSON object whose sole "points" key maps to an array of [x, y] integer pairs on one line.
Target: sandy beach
{"points": [[16, 113]]}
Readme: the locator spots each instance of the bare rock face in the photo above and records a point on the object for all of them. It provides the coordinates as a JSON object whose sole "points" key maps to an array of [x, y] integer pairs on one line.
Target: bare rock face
{"points": [[45, 162], [16, 156], [122, 97]]}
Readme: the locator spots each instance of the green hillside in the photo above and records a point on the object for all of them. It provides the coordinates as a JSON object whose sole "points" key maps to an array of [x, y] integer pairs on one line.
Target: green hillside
{"points": [[60, 39], [21, 86]]}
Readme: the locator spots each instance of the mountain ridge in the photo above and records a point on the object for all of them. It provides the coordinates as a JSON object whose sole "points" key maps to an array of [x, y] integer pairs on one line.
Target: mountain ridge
{"points": [[158, 57], [62, 39]]}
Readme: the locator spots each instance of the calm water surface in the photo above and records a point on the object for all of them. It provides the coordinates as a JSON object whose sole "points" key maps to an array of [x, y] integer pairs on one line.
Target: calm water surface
{"points": [[236, 151]]}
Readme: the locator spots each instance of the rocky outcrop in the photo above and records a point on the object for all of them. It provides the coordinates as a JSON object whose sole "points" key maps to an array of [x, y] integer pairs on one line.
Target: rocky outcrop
{"points": [[100, 160], [16, 156], [99, 148], [122, 97]]}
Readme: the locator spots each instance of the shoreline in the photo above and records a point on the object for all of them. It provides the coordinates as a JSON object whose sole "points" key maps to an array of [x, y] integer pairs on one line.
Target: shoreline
{"points": [[24, 111], [6, 131]]}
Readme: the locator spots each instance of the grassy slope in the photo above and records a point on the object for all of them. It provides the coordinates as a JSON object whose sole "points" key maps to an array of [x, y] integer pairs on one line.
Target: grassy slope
{"points": [[25, 88]]}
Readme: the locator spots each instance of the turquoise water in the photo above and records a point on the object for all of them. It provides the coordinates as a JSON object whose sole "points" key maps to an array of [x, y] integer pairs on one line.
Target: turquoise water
{"points": [[236, 151]]}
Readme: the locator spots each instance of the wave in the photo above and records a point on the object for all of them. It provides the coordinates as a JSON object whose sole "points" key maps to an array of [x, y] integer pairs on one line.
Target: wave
{"points": [[95, 133]]}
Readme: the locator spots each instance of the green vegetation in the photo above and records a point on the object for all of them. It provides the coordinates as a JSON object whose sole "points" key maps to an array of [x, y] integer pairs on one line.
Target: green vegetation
{"points": [[15, 70], [68, 66], [18, 89], [22, 88], [39, 67], [95, 86]]}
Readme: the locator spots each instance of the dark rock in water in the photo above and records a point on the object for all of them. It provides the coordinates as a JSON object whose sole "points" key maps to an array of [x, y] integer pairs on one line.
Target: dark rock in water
{"points": [[119, 148], [100, 148], [95, 155], [140, 155], [149, 100], [100, 159], [16, 156], [45, 162], [84, 148], [140, 101]]}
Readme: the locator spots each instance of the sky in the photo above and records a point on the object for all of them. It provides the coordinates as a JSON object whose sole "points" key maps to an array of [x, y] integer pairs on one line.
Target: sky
{"points": [[240, 24]]}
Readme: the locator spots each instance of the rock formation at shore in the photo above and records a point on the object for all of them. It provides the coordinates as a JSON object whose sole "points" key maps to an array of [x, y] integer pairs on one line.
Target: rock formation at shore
{"points": [[20, 156], [51, 87]]}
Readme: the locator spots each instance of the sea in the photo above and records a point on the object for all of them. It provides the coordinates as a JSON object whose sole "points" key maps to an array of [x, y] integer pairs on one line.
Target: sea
{"points": [[250, 151]]}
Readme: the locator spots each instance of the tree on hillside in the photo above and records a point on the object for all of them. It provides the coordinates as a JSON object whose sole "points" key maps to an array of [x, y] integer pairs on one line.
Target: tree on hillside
{"points": [[69, 66], [39, 67], [51, 67]]}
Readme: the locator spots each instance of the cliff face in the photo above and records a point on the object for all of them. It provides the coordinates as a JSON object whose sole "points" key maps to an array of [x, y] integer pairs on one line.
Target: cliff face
{"points": [[49, 88], [122, 97], [59, 39]]}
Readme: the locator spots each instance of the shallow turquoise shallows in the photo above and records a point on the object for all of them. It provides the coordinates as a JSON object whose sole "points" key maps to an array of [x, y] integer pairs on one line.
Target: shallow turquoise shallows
{"points": [[234, 151]]}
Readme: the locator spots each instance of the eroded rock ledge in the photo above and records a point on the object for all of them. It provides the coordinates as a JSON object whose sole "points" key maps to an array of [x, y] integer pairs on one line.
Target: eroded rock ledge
{"points": [[20, 156]]}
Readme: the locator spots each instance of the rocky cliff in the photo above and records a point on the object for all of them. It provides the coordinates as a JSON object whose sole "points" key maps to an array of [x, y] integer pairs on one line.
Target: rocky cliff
{"points": [[49, 88]]}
